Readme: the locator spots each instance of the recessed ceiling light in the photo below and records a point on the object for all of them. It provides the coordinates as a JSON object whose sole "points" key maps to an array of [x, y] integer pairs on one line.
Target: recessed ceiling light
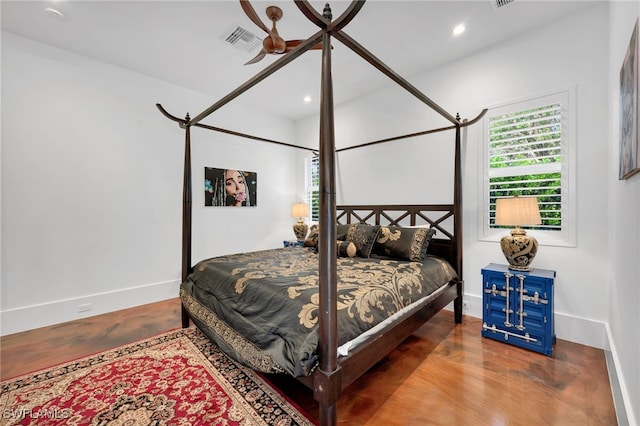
{"points": [[459, 29], [307, 99], [54, 12]]}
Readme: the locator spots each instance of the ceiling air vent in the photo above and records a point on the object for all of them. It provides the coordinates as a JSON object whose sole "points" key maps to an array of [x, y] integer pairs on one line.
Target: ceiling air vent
{"points": [[498, 4], [242, 39]]}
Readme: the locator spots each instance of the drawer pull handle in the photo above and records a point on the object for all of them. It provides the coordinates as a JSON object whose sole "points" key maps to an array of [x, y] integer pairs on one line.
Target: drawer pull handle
{"points": [[495, 329], [494, 291], [508, 311], [535, 299], [521, 312]]}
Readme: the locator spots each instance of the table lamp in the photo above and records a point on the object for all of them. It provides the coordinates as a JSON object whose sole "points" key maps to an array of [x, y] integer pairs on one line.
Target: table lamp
{"points": [[300, 228], [519, 248]]}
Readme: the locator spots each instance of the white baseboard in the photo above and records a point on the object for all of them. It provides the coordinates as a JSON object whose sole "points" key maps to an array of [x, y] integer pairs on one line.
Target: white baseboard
{"points": [[42, 315], [621, 398]]}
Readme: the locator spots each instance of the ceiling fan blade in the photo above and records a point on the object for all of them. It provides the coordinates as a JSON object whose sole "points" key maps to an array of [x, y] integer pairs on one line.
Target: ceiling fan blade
{"points": [[292, 44], [251, 13], [257, 58]]}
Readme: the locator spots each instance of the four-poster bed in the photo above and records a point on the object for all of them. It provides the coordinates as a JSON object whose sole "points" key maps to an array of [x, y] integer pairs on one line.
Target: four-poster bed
{"points": [[328, 373]]}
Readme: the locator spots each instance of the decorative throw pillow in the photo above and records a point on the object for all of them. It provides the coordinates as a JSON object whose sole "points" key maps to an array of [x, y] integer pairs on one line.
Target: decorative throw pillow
{"points": [[341, 231], [403, 243], [312, 238], [363, 236], [346, 249]]}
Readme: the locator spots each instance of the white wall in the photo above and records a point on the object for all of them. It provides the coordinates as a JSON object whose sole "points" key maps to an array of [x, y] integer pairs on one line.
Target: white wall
{"points": [[515, 69], [624, 226], [92, 181]]}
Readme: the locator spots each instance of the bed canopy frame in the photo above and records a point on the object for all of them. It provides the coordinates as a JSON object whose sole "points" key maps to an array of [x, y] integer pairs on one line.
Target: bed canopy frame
{"points": [[329, 379]]}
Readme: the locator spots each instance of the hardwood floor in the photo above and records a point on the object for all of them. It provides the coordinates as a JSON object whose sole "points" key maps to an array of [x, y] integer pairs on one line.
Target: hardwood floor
{"points": [[442, 375]]}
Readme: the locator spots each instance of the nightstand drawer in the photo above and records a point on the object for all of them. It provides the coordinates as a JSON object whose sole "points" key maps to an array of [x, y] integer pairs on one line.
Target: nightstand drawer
{"points": [[534, 339]]}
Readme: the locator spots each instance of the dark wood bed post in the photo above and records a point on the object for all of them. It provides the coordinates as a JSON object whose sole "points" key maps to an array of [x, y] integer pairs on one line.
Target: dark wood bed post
{"points": [[457, 220], [327, 385], [186, 215]]}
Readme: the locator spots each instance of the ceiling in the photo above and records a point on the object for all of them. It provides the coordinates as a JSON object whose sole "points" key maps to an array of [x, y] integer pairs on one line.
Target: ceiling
{"points": [[182, 41]]}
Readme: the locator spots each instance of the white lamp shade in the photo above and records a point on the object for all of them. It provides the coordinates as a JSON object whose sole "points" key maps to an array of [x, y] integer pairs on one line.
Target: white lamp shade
{"points": [[517, 211], [299, 210]]}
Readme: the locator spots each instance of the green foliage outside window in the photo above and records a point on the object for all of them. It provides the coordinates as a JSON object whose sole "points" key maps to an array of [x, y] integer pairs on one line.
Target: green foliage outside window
{"points": [[525, 154]]}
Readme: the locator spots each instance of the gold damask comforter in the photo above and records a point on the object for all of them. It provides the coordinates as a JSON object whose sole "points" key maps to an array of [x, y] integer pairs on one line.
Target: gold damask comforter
{"points": [[262, 307]]}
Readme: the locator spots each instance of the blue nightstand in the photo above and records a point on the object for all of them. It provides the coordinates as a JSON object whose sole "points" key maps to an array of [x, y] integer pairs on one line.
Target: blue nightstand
{"points": [[293, 243], [518, 307]]}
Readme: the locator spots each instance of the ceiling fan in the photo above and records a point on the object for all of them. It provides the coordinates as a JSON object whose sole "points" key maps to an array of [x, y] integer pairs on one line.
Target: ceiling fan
{"points": [[273, 43]]}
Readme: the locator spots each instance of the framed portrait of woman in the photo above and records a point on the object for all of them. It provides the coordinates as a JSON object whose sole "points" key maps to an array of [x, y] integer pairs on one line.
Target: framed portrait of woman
{"points": [[230, 187], [629, 113]]}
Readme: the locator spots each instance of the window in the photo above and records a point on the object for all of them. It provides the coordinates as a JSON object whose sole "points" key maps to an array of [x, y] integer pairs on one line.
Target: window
{"points": [[312, 186], [528, 151]]}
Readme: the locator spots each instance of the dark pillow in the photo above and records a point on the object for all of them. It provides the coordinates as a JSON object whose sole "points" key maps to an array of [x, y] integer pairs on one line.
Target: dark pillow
{"points": [[363, 236], [346, 249], [403, 243], [341, 230]]}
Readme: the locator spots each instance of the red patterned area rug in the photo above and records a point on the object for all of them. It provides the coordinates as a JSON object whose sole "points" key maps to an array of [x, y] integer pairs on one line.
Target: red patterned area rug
{"points": [[177, 378]]}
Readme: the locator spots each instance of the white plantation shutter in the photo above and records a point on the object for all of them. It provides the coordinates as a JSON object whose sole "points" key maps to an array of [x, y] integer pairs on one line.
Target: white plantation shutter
{"points": [[312, 186], [529, 152]]}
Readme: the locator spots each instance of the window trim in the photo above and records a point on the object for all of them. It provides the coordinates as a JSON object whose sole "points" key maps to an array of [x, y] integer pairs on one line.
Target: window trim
{"points": [[566, 237]]}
